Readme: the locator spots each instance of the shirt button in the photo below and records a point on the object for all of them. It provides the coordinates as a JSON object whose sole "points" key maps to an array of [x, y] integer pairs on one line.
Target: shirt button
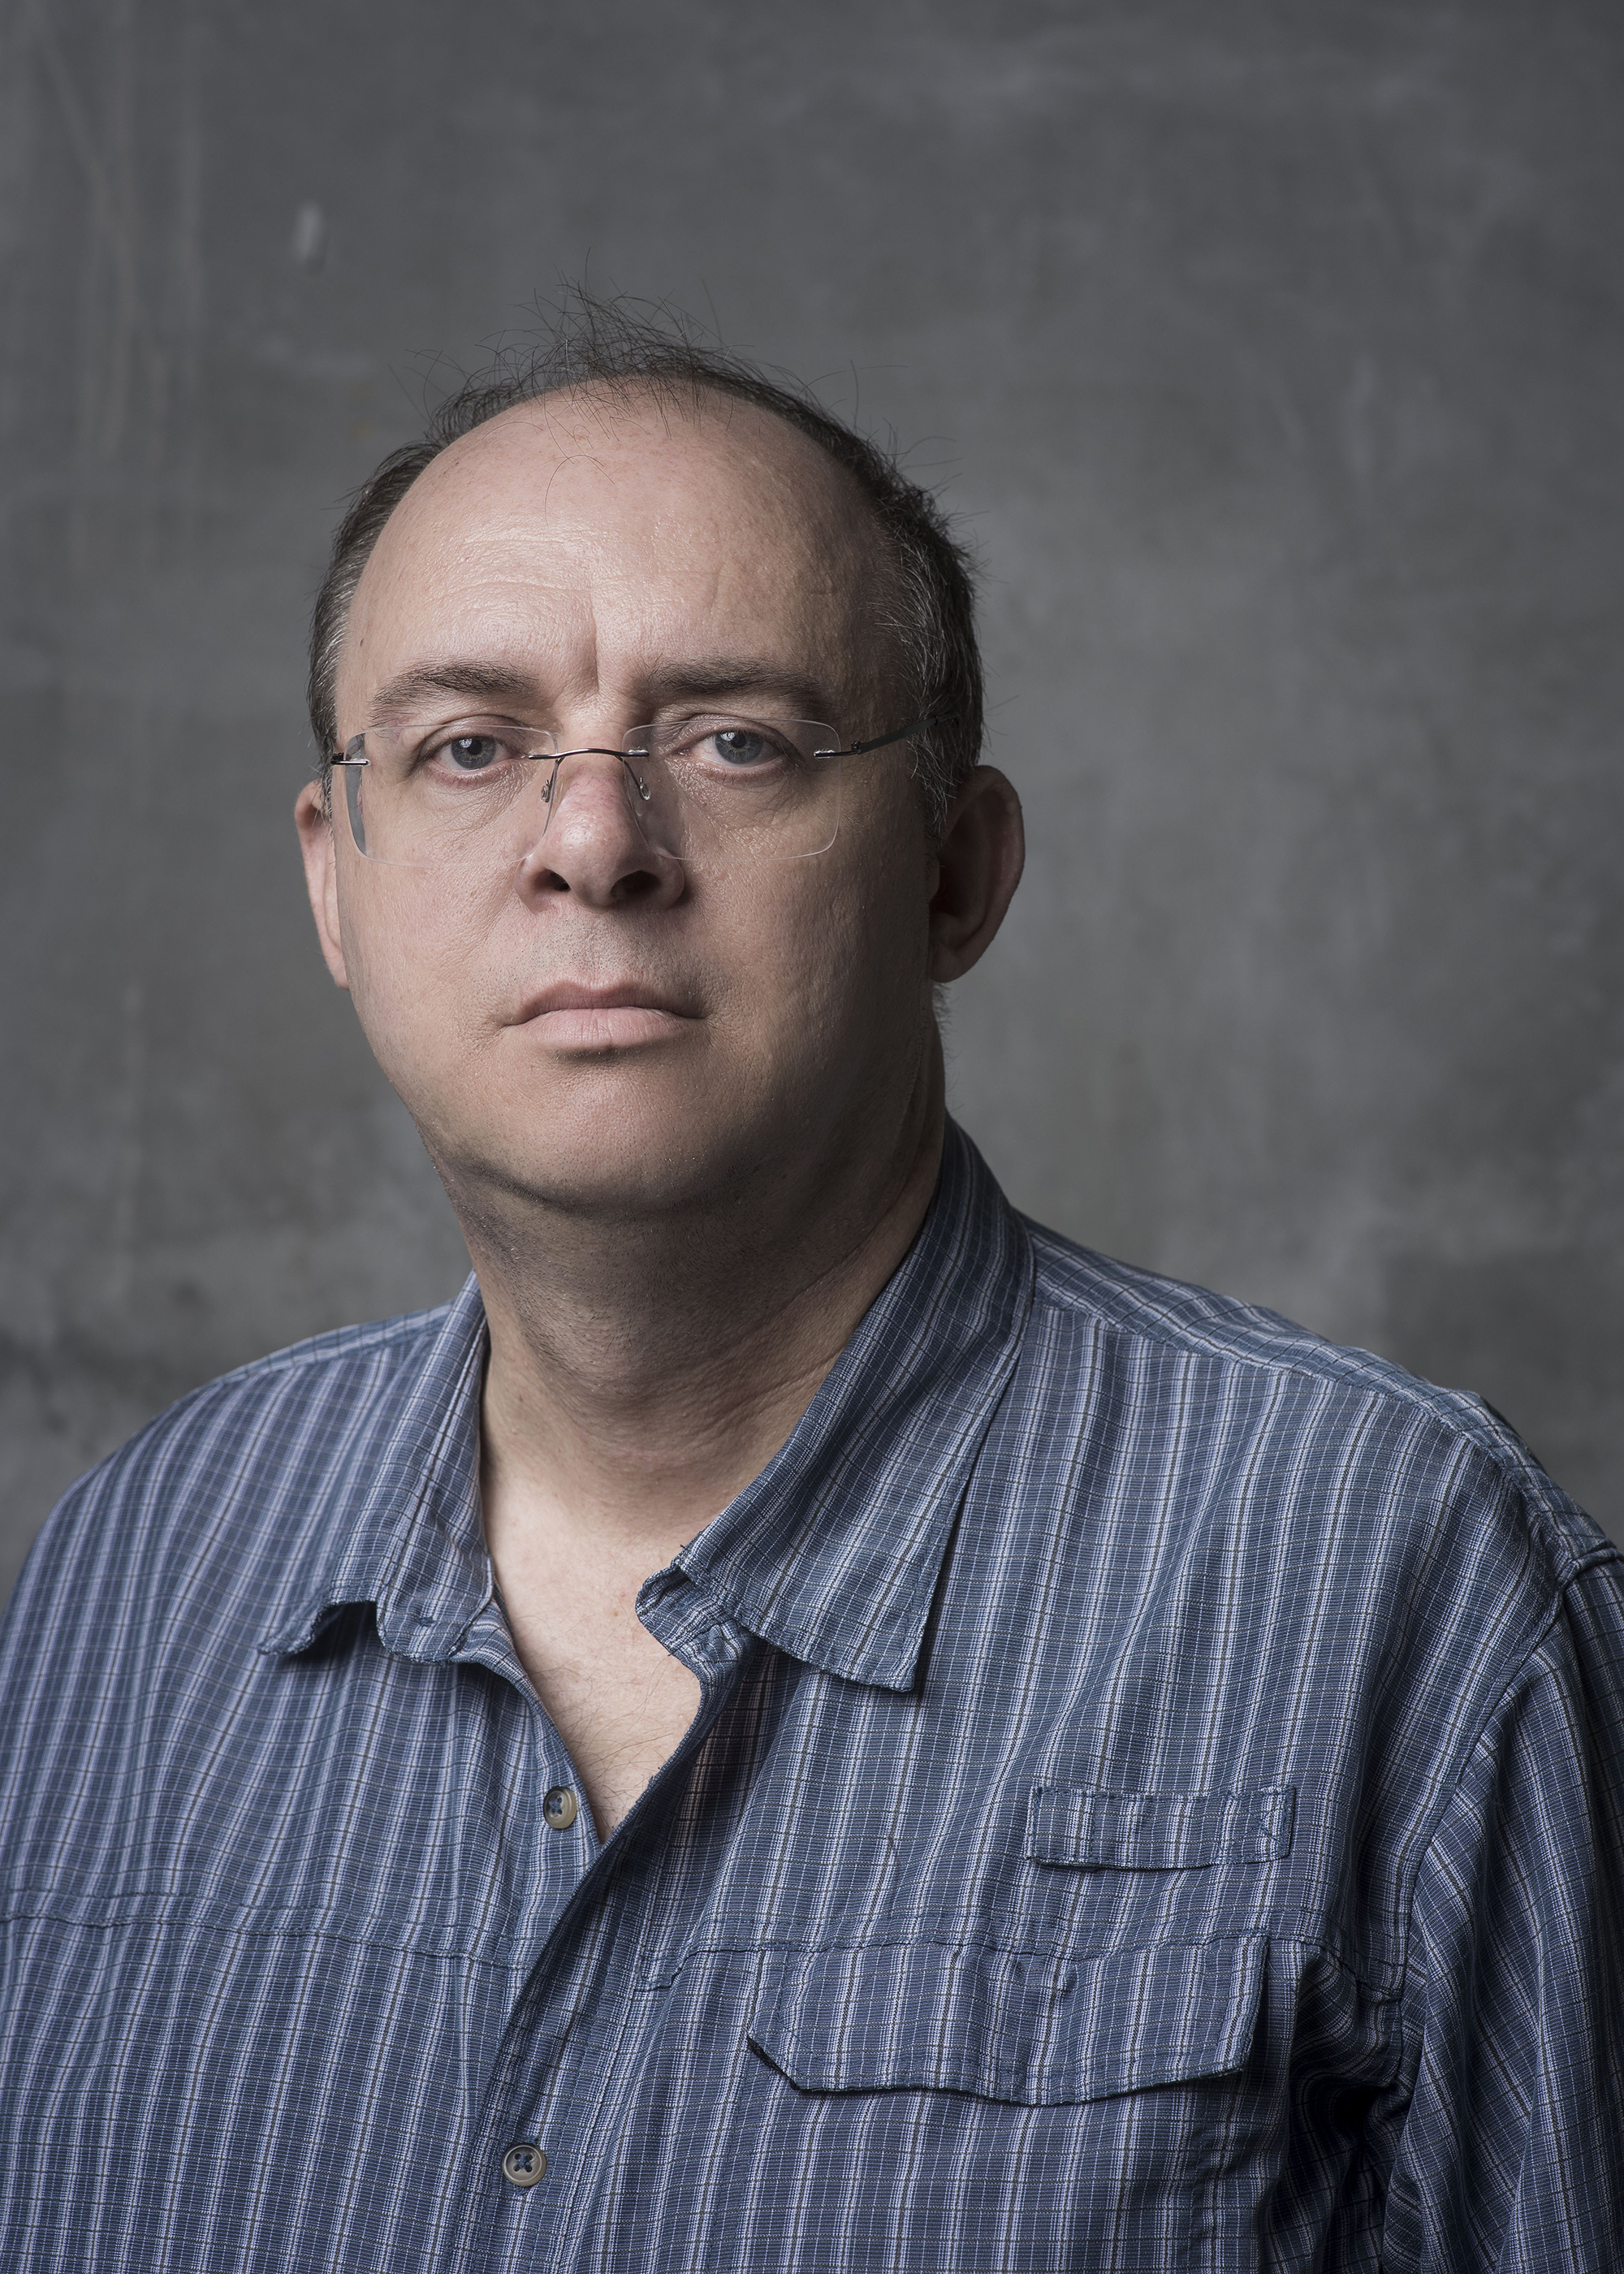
{"points": [[560, 1808], [524, 2164]]}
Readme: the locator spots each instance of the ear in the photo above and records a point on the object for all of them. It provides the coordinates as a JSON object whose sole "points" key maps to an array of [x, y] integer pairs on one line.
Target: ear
{"points": [[979, 862], [314, 819]]}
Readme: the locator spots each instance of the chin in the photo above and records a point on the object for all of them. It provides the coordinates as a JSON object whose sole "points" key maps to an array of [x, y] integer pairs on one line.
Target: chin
{"points": [[613, 1165]]}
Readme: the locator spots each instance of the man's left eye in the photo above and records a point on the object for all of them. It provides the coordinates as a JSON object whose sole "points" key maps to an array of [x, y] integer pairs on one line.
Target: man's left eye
{"points": [[741, 746]]}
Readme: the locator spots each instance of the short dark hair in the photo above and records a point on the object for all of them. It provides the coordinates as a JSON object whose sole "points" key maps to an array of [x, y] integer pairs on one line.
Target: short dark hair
{"points": [[625, 346]]}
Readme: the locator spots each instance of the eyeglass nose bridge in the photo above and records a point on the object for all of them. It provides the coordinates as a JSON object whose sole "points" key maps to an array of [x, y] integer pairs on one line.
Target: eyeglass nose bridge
{"points": [[631, 778], [555, 759]]}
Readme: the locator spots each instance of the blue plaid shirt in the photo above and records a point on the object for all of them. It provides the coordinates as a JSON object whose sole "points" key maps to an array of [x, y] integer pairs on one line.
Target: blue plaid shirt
{"points": [[1155, 1803]]}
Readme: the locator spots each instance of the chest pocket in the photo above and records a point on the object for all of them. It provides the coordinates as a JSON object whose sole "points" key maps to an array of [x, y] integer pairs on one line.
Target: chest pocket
{"points": [[1007, 2027]]}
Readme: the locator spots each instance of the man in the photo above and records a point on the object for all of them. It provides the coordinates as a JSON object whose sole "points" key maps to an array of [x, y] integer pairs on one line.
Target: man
{"points": [[802, 1721]]}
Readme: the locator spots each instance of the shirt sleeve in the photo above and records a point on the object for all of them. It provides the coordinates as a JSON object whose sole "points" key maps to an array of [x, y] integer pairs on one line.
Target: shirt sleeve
{"points": [[1510, 2154]]}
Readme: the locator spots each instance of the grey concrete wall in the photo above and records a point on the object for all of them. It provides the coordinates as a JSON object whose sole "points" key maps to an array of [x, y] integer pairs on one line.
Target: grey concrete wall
{"points": [[1272, 353]]}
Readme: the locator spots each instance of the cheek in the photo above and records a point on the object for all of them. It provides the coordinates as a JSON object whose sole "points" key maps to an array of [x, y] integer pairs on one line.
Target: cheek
{"points": [[413, 949], [887, 904], [836, 960]]}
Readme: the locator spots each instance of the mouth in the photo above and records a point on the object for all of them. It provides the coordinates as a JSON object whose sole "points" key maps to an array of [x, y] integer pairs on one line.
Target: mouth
{"points": [[569, 1015]]}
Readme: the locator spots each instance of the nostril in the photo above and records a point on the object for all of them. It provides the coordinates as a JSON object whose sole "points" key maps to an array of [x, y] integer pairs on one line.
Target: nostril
{"points": [[636, 885]]}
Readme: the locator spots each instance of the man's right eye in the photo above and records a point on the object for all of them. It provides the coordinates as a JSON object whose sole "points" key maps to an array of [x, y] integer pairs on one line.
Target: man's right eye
{"points": [[470, 754]]}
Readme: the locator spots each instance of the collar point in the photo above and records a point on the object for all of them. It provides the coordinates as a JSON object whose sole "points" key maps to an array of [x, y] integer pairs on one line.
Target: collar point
{"points": [[289, 1637]]}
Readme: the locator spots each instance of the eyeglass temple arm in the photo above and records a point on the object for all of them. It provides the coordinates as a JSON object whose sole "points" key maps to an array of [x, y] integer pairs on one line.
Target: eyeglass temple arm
{"points": [[902, 734]]}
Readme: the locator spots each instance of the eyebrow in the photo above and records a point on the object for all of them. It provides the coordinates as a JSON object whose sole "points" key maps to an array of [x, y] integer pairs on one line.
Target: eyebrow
{"points": [[490, 682], [730, 675], [699, 681]]}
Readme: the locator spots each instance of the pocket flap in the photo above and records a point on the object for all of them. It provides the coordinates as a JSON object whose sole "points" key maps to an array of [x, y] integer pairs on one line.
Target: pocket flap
{"points": [[1004, 2026], [1158, 1831]]}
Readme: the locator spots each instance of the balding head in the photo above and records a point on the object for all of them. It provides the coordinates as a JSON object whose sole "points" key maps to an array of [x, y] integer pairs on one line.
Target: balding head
{"points": [[600, 352], [708, 529]]}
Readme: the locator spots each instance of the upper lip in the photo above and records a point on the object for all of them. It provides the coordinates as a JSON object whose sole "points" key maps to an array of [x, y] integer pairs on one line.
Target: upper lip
{"points": [[572, 995]]}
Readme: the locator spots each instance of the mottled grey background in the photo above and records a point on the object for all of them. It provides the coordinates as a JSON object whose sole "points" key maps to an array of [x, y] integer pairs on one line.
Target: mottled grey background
{"points": [[1271, 353]]}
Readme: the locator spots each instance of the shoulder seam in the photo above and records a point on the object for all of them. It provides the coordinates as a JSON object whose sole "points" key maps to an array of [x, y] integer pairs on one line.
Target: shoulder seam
{"points": [[360, 1343], [1311, 1359], [336, 1342]]}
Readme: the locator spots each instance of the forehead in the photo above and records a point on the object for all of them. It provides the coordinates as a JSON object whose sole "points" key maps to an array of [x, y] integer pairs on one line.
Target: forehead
{"points": [[597, 536]]}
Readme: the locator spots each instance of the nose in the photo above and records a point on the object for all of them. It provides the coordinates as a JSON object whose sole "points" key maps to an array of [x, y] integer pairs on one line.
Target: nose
{"points": [[593, 844]]}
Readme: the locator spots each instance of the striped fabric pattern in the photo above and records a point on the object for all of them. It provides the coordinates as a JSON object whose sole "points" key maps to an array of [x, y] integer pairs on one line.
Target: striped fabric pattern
{"points": [[1157, 1801]]}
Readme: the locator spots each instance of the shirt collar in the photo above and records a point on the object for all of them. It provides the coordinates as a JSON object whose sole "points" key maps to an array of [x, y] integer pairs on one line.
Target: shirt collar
{"points": [[832, 1553], [399, 1524]]}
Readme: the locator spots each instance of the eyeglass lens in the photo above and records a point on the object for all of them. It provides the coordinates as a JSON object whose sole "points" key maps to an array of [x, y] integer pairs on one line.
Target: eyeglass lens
{"points": [[706, 792]]}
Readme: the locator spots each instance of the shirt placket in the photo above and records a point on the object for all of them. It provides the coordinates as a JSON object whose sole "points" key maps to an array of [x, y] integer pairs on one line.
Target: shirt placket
{"points": [[547, 2119]]}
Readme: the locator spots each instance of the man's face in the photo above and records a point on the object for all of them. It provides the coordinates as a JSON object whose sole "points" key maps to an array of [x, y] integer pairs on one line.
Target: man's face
{"points": [[595, 1025]]}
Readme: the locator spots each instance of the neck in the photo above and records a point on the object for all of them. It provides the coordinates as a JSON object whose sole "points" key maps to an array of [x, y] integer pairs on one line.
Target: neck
{"points": [[642, 1372]]}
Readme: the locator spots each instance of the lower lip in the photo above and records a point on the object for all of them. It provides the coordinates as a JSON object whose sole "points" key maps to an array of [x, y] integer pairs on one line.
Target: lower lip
{"points": [[606, 1026]]}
